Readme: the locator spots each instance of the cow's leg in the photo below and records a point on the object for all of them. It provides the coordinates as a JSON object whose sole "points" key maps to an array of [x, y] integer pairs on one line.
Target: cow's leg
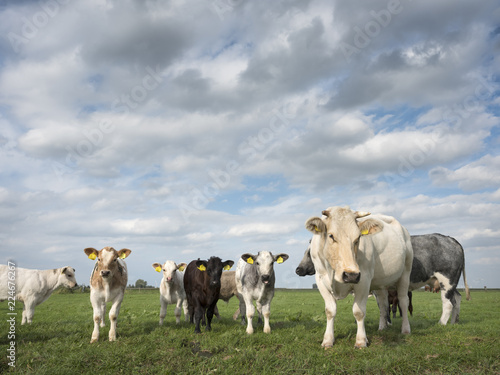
{"points": [[403, 304], [113, 317], [210, 314], [178, 311], [185, 307], [447, 297], [242, 309], [330, 312], [359, 312], [236, 313], [456, 308], [28, 311], [266, 312], [103, 312], [98, 314], [216, 312], [163, 309], [250, 311], [199, 314], [259, 311], [382, 297]]}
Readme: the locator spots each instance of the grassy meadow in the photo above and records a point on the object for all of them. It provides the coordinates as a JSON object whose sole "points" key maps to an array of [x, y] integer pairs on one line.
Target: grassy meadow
{"points": [[58, 340]]}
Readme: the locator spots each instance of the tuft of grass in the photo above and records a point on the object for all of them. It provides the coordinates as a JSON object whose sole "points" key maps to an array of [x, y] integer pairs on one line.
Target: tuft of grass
{"points": [[58, 340]]}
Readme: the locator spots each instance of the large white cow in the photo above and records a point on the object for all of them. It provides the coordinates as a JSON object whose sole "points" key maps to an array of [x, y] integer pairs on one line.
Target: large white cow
{"points": [[349, 255], [34, 286]]}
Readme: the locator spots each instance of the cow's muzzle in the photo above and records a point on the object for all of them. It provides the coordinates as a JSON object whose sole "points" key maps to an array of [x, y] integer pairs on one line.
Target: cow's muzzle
{"points": [[351, 277], [105, 273], [265, 279]]}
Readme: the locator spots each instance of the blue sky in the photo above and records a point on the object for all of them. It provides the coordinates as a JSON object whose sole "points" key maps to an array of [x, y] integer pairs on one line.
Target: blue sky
{"points": [[196, 128]]}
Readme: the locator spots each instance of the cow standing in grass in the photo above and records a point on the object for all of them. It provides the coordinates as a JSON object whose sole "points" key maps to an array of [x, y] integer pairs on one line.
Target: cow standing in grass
{"points": [[107, 284], [202, 285], [172, 289], [437, 260], [352, 256], [34, 286], [255, 282]]}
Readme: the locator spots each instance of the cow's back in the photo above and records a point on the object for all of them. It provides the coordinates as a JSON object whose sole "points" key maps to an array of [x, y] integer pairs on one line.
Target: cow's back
{"points": [[436, 253]]}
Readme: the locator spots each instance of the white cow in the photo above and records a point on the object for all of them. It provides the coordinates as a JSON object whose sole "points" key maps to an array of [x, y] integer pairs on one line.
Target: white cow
{"points": [[349, 255], [255, 281], [34, 286], [107, 284], [172, 289]]}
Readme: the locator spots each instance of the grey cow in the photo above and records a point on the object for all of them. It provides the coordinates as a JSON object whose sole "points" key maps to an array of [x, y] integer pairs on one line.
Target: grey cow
{"points": [[435, 257], [255, 281]]}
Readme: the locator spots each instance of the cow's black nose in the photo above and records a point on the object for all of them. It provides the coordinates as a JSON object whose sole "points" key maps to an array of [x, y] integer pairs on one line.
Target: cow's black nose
{"points": [[351, 277], [105, 273], [300, 271], [265, 279]]}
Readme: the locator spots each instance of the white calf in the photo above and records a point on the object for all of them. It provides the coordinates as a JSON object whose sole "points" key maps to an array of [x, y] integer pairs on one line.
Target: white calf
{"points": [[172, 289], [34, 286], [255, 281], [107, 284]]}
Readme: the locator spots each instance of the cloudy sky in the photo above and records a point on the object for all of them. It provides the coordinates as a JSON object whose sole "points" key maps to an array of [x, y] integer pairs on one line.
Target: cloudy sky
{"points": [[185, 129]]}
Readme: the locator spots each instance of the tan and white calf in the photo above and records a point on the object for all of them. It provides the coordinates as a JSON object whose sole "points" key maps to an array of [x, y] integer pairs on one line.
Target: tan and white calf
{"points": [[34, 286], [107, 284], [172, 289]]}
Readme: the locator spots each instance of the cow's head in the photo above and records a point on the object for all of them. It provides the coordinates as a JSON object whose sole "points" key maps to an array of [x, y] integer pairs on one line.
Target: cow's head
{"points": [[67, 277], [306, 265], [213, 267], [169, 269], [263, 263], [338, 234], [107, 260]]}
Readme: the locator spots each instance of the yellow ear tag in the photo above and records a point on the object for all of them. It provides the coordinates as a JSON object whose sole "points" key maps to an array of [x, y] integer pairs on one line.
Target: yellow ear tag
{"points": [[364, 232], [92, 256], [123, 255], [158, 269], [279, 260], [227, 268], [250, 261], [317, 229], [202, 268], [181, 268]]}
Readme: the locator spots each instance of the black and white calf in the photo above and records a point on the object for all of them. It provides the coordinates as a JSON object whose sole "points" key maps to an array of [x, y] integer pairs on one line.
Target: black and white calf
{"points": [[435, 257], [255, 282]]}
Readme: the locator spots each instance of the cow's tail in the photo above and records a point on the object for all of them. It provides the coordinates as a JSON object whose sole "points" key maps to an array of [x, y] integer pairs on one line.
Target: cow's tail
{"points": [[467, 291]]}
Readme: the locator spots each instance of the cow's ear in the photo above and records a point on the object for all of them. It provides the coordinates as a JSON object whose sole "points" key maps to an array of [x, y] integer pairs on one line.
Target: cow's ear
{"points": [[226, 266], [157, 267], [64, 270], [123, 253], [201, 265], [249, 258], [280, 258], [91, 253], [181, 266], [315, 225], [369, 226]]}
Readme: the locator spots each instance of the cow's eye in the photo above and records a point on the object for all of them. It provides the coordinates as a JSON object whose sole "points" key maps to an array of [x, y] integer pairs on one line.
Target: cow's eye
{"points": [[256, 263], [331, 236], [114, 260]]}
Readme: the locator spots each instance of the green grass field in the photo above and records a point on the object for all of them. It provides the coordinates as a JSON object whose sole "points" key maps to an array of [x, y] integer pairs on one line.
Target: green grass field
{"points": [[58, 340]]}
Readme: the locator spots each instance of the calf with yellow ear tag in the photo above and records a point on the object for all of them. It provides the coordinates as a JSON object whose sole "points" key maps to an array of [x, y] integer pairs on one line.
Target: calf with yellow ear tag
{"points": [[255, 279], [172, 289]]}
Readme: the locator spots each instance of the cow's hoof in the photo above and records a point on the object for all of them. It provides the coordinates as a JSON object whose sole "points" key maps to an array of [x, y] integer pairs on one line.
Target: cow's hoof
{"points": [[326, 344], [93, 341]]}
